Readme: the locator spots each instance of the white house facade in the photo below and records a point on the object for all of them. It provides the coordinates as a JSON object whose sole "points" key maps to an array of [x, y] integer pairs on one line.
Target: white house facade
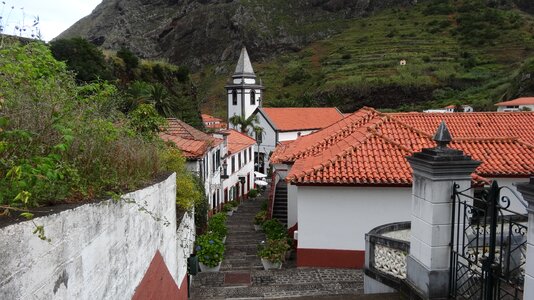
{"points": [[519, 104]]}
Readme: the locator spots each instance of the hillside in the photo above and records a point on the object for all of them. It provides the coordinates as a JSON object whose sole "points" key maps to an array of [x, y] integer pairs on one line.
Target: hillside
{"points": [[199, 32], [458, 52]]}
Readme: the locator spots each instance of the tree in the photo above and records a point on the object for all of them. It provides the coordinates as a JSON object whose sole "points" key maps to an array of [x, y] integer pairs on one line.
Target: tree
{"points": [[244, 124], [82, 57]]}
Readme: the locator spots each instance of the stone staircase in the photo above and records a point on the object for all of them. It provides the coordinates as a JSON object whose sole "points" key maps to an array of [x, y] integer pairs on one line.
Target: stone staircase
{"points": [[280, 202], [242, 275]]}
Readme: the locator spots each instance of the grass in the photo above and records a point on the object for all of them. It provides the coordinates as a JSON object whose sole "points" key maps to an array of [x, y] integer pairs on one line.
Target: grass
{"points": [[455, 59]]}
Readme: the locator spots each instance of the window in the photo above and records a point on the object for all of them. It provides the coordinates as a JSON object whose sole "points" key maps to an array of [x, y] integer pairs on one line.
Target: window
{"points": [[234, 97], [213, 163], [250, 153], [217, 159], [245, 157], [233, 165], [239, 160], [252, 97]]}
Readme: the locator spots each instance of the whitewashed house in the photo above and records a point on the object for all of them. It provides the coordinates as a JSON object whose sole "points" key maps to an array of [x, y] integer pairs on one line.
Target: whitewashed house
{"points": [[204, 154], [352, 176], [519, 104], [238, 166], [288, 123]]}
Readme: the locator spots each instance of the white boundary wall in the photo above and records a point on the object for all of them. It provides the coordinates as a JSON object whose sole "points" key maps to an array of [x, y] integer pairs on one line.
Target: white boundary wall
{"points": [[97, 251]]}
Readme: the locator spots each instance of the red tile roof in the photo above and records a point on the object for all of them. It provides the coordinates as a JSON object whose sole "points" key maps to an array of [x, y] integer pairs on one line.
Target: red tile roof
{"points": [[302, 118], [193, 142], [369, 148], [210, 118], [238, 141], [518, 101], [475, 124]]}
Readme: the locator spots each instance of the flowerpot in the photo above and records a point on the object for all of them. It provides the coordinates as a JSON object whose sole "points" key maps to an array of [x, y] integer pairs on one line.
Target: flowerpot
{"points": [[229, 213], [268, 265], [205, 268], [257, 227]]}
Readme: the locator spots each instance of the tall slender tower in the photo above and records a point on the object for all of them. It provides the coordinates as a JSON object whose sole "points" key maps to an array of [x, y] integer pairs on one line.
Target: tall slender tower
{"points": [[243, 93]]}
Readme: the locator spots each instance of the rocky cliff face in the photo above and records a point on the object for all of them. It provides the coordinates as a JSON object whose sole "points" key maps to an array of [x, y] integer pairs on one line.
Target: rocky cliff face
{"points": [[198, 32]]}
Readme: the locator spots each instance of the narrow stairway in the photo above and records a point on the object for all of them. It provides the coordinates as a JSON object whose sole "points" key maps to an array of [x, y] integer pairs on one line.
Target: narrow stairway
{"points": [[242, 275], [280, 202]]}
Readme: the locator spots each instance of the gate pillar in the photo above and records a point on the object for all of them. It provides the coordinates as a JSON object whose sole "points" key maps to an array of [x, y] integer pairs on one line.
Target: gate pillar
{"points": [[435, 170], [527, 189]]}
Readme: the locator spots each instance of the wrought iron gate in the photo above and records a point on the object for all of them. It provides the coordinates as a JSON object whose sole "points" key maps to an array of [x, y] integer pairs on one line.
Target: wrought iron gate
{"points": [[488, 245]]}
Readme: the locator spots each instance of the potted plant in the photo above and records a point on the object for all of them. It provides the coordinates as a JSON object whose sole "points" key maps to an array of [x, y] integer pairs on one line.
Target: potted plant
{"points": [[209, 250], [217, 225], [253, 193], [228, 209], [274, 230], [259, 219], [234, 204], [273, 253]]}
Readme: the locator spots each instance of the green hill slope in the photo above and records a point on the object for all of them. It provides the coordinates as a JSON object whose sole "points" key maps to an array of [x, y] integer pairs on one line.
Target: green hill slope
{"points": [[464, 52]]}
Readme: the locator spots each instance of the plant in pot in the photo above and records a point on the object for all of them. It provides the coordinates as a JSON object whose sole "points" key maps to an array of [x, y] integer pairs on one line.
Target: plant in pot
{"points": [[253, 193], [274, 230], [217, 225], [228, 209], [234, 204], [273, 253], [259, 219], [209, 249]]}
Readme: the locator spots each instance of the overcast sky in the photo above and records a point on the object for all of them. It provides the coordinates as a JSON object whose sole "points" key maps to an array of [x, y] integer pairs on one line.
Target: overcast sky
{"points": [[54, 15]]}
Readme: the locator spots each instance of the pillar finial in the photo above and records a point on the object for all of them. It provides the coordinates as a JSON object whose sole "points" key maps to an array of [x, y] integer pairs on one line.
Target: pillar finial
{"points": [[443, 136]]}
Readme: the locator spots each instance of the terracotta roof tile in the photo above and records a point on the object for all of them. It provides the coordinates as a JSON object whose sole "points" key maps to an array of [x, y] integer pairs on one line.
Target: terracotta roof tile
{"points": [[193, 142], [518, 101], [210, 118], [369, 148], [302, 118], [238, 141]]}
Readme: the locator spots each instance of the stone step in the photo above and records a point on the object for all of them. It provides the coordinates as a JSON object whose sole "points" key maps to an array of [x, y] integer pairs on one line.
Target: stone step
{"points": [[276, 291]]}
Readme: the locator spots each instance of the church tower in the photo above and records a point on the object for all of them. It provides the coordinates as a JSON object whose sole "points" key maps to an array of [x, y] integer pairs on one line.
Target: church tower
{"points": [[244, 94]]}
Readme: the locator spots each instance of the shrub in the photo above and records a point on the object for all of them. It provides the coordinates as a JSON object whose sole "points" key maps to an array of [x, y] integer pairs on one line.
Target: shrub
{"points": [[253, 193], [82, 57], [274, 250], [227, 207], [209, 249], [217, 225], [233, 203], [260, 217], [274, 229], [130, 59]]}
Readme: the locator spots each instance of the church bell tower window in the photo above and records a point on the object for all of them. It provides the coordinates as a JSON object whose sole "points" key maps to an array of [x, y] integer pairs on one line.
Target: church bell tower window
{"points": [[234, 97], [252, 97]]}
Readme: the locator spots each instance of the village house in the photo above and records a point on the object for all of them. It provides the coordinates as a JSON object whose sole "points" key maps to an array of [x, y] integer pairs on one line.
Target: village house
{"points": [[238, 166], [288, 123], [212, 123], [203, 153], [519, 104], [353, 176]]}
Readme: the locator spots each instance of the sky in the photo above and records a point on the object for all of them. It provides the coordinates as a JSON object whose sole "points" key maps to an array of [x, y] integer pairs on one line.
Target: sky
{"points": [[55, 16]]}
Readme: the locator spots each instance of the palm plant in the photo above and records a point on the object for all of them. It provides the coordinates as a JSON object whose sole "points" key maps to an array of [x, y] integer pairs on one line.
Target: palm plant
{"points": [[244, 124]]}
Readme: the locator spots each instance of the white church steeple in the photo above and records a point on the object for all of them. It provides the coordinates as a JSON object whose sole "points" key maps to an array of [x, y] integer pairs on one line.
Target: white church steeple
{"points": [[244, 94]]}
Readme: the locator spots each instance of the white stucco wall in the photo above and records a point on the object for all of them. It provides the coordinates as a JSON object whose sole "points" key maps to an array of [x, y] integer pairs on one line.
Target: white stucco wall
{"points": [[247, 168], [339, 217], [185, 241], [515, 204], [97, 251], [510, 108], [292, 205], [243, 101], [269, 135], [292, 135]]}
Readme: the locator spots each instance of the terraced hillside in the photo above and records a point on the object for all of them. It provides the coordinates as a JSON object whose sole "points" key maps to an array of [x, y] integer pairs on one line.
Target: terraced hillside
{"points": [[455, 51]]}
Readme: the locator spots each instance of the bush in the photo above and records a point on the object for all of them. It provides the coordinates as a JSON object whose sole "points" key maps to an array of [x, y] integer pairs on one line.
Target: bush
{"points": [[253, 193], [130, 59], [217, 225], [260, 217], [66, 143], [274, 229], [274, 250], [82, 57], [227, 207], [209, 249]]}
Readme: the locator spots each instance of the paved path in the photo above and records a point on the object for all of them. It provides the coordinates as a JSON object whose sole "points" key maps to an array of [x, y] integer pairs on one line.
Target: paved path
{"points": [[242, 275]]}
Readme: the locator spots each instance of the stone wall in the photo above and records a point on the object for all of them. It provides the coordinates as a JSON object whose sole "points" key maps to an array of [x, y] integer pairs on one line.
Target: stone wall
{"points": [[97, 251]]}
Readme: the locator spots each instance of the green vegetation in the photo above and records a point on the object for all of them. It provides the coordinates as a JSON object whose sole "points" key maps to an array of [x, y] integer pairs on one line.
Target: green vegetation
{"points": [[217, 225], [455, 51], [209, 249], [273, 250], [65, 141]]}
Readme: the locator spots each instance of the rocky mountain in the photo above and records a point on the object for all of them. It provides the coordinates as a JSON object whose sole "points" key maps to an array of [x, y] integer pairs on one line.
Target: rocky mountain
{"points": [[199, 32]]}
